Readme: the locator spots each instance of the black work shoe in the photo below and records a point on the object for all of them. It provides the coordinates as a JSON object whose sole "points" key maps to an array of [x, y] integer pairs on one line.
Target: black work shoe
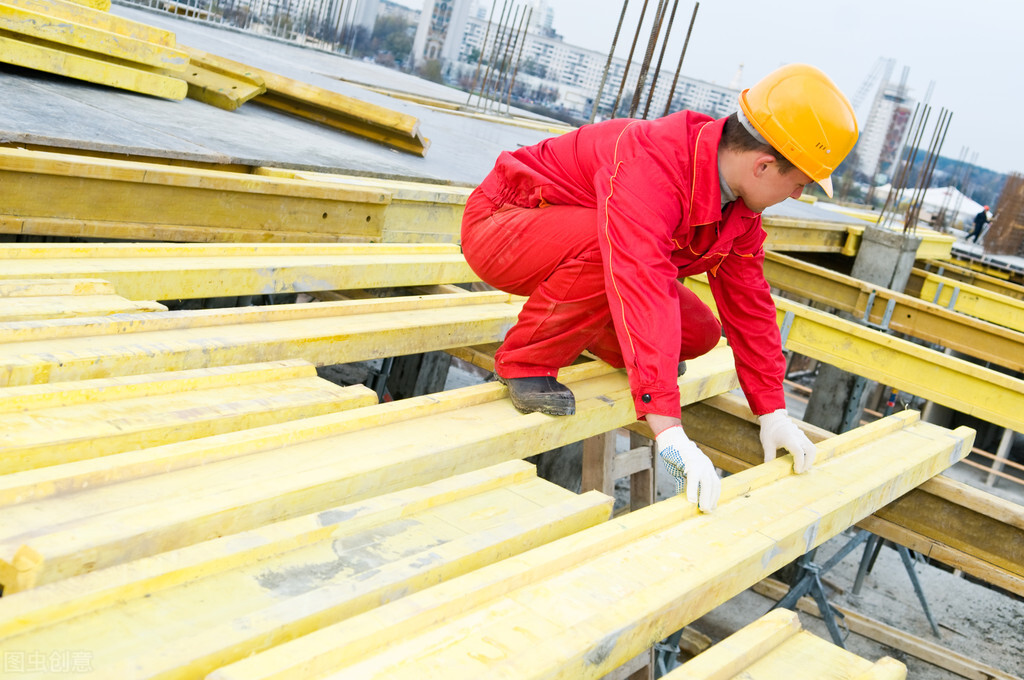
{"points": [[543, 394]]}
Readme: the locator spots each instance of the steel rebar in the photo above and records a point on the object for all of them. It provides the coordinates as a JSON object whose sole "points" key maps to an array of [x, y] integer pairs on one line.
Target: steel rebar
{"points": [[608, 63], [679, 66], [652, 41], [629, 59], [661, 58]]}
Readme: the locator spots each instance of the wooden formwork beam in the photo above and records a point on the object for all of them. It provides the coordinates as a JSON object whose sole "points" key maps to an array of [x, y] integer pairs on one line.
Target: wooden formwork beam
{"points": [[974, 301], [933, 244], [139, 503], [45, 425], [773, 647], [87, 14], [322, 333], [943, 519], [219, 601], [961, 385], [900, 313], [584, 605], [377, 123], [59, 32], [33, 299], [220, 82], [964, 275], [792, 234], [41, 56], [199, 272], [54, 186]]}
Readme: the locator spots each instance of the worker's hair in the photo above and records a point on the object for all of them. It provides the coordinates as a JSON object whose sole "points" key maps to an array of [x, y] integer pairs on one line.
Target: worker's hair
{"points": [[736, 138]]}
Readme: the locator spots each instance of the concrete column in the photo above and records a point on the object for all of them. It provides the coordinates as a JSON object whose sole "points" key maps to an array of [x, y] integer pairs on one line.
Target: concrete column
{"points": [[885, 258]]}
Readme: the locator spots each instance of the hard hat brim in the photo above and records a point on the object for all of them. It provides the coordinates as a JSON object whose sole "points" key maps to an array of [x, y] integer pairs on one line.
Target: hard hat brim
{"points": [[826, 185]]}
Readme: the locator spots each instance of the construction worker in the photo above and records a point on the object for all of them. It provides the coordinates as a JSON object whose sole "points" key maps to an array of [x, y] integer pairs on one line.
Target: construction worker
{"points": [[980, 220], [598, 227]]}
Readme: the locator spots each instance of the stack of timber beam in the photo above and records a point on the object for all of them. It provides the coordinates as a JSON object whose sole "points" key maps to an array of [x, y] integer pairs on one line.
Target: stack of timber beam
{"points": [[72, 40], [82, 515], [219, 600], [584, 605], [292, 535], [68, 195]]}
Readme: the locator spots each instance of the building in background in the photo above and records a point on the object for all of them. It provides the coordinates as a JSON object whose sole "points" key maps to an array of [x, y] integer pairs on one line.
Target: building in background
{"points": [[883, 133], [575, 72], [439, 34]]}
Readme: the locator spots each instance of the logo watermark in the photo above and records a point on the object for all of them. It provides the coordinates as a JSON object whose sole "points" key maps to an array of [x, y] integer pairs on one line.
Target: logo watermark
{"points": [[37, 661]]}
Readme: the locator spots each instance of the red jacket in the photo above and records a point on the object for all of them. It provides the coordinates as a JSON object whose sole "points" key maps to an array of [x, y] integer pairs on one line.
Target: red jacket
{"points": [[655, 186]]}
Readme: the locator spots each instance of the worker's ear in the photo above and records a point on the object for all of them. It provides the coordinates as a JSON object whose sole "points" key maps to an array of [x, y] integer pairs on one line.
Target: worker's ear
{"points": [[762, 163]]}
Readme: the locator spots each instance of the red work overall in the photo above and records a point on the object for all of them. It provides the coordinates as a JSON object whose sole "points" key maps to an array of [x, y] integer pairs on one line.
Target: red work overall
{"points": [[596, 227]]}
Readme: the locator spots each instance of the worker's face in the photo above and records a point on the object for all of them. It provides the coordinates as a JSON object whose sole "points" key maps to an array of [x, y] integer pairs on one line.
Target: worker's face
{"points": [[771, 186]]}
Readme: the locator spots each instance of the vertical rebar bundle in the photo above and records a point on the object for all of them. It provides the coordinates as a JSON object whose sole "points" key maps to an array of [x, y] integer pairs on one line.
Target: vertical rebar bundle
{"points": [[629, 59], [641, 80], [661, 58]]}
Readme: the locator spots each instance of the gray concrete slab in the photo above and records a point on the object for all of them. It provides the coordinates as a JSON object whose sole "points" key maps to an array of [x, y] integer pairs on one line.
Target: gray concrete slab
{"points": [[48, 110]]}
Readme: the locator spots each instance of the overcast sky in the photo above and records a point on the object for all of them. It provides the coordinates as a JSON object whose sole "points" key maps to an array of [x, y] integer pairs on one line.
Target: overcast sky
{"points": [[972, 51]]}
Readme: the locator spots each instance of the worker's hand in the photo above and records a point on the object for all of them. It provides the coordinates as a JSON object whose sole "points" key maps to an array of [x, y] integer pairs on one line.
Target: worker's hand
{"points": [[691, 469], [779, 431]]}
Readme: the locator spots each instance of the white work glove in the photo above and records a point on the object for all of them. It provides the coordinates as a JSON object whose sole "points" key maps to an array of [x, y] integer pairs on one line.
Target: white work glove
{"points": [[691, 469], [779, 431]]}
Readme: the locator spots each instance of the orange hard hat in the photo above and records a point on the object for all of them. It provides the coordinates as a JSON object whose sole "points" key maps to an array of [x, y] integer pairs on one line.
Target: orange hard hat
{"points": [[986, 207], [803, 115]]}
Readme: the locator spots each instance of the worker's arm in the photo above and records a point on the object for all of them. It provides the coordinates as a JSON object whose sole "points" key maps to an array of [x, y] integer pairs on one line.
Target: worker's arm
{"points": [[748, 316]]}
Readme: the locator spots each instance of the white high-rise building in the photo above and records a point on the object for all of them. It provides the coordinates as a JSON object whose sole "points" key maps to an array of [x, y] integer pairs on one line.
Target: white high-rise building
{"points": [[881, 137], [439, 33]]}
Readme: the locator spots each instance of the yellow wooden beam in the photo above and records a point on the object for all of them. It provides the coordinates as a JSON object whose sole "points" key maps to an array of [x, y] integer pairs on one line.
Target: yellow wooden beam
{"points": [[982, 392], [398, 130], [201, 276], [219, 81], [964, 275], [73, 187], [933, 244], [419, 211], [87, 14], [58, 251], [901, 313], [59, 32], [130, 505], [59, 423], [582, 606], [322, 333], [142, 231], [775, 647], [974, 301], [32, 299], [793, 234], [24, 51], [993, 269], [219, 601], [945, 520]]}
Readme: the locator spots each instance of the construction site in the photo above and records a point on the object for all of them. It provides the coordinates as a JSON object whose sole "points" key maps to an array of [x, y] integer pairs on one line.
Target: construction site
{"points": [[251, 426]]}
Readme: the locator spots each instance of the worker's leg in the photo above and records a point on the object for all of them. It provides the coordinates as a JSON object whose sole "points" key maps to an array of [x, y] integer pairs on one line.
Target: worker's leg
{"points": [[551, 255], [700, 331]]}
